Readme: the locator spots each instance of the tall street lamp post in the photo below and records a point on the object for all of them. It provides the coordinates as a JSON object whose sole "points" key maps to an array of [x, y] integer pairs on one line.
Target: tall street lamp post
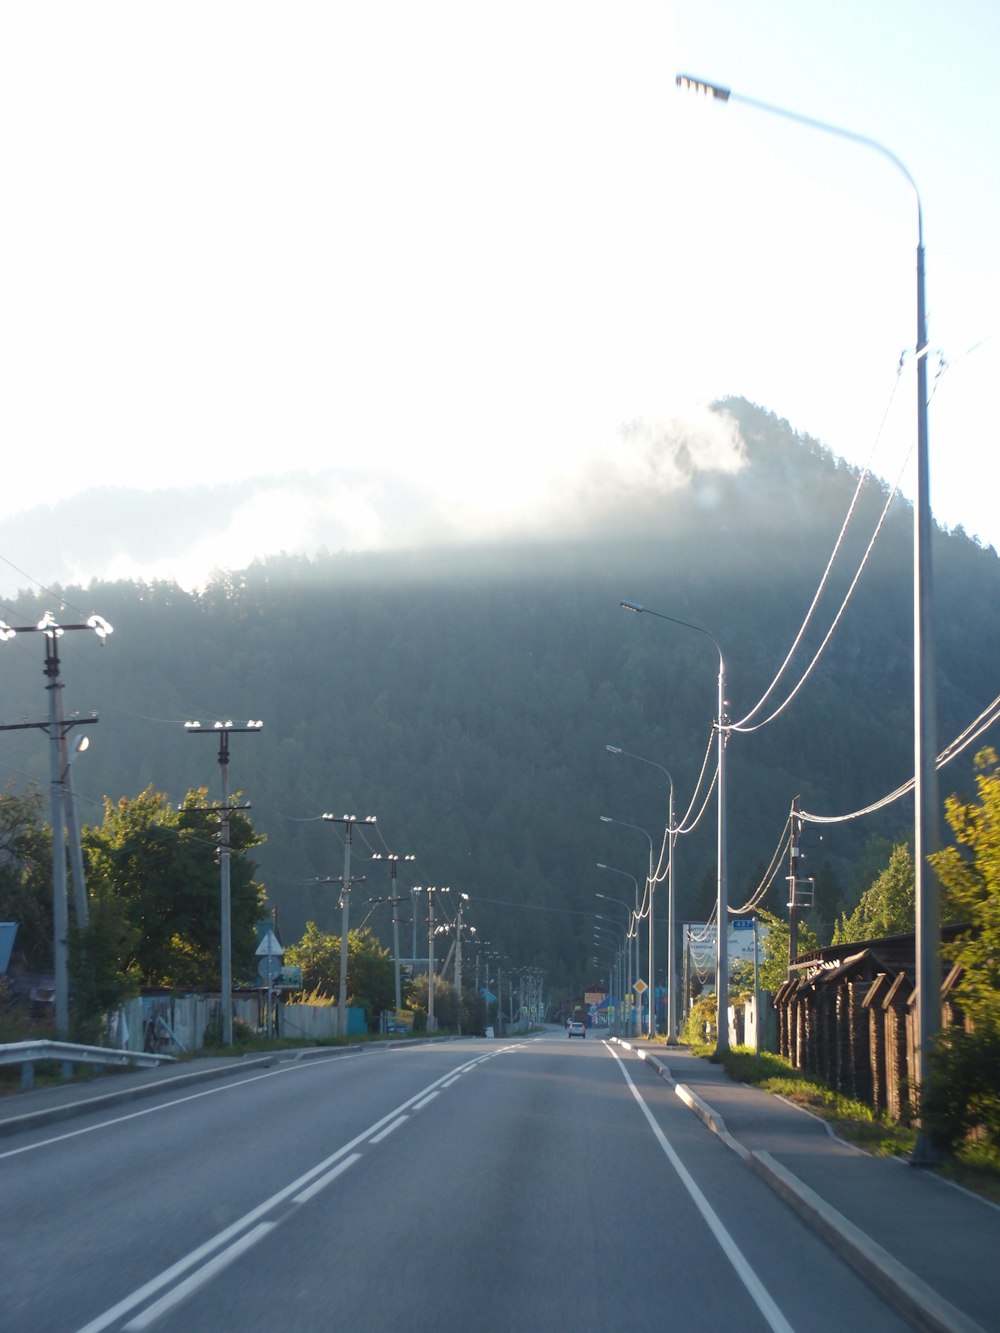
{"points": [[57, 729], [394, 860], [606, 819], [224, 730], [672, 837], [722, 897], [430, 891], [633, 926], [348, 822], [462, 899], [612, 931], [925, 788]]}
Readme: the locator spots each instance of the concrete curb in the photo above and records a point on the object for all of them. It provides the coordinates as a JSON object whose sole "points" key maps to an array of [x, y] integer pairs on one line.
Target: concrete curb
{"points": [[900, 1288], [67, 1110], [906, 1293]]}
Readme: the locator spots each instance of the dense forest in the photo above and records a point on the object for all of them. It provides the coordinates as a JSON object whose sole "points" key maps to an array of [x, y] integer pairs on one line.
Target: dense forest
{"points": [[466, 695]]}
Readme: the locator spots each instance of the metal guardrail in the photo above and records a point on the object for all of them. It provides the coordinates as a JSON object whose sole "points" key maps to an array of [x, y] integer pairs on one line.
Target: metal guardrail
{"points": [[29, 1053]]}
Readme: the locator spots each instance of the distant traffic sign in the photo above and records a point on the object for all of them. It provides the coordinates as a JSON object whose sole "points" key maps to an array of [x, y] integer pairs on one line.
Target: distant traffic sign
{"points": [[640, 986]]}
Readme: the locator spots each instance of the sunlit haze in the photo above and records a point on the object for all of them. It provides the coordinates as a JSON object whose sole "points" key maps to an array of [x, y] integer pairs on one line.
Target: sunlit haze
{"points": [[422, 271]]}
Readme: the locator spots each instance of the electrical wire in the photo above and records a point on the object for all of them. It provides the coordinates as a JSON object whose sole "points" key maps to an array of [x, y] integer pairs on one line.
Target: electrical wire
{"points": [[742, 726], [985, 720], [760, 893]]}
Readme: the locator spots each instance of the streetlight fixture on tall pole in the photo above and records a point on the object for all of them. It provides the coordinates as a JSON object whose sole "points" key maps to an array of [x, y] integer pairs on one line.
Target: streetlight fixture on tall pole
{"points": [[348, 822], [722, 897], [925, 785], [636, 916], [430, 890], [57, 729], [633, 923], [394, 860], [462, 899], [606, 819], [73, 828], [224, 730], [606, 927], [671, 1018]]}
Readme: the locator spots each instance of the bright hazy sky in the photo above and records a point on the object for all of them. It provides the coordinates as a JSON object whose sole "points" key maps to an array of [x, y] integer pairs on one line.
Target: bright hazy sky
{"points": [[466, 242]]}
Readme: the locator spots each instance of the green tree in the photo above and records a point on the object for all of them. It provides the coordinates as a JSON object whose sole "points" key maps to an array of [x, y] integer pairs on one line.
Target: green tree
{"points": [[370, 973], [445, 1000], [318, 955], [102, 966], [964, 1099], [971, 879], [163, 864], [887, 908], [772, 965], [26, 875]]}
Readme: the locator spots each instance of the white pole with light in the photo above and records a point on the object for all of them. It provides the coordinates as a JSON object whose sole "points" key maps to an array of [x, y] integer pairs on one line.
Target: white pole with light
{"points": [[672, 838], [925, 791], [57, 728], [627, 979], [606, 819], [348, 822], [73, 827], [224, 730], [722, 896]]}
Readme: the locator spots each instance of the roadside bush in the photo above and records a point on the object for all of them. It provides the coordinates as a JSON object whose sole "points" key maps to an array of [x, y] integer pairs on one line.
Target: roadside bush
{"points": [[699, 1026], [963, 1103]]}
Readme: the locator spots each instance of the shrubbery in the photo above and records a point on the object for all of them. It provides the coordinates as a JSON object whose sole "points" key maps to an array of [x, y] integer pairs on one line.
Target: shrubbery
{"points": [[963, 1102]]}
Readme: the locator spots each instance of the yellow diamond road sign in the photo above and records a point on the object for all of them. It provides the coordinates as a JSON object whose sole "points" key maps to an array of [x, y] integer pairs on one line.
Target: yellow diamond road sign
{"points": [[640, 986]]}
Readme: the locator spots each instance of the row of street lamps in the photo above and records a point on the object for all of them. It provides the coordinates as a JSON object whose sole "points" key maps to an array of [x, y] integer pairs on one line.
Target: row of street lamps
{"points": [[924, 705]]}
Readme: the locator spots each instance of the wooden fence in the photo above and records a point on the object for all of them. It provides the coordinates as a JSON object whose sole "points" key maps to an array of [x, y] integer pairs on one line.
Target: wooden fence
{"points": [[848, 1014]]}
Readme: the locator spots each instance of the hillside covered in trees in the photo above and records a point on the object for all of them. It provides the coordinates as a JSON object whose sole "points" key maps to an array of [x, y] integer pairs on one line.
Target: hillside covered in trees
{"points": [[466, 695]]}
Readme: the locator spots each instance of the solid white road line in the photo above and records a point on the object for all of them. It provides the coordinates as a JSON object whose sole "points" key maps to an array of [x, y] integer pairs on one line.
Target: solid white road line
{"points": [[761, 1296]]}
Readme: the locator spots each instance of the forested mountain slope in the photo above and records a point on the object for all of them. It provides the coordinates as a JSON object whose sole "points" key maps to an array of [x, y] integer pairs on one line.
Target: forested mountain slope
{"points": [[465, 695]]}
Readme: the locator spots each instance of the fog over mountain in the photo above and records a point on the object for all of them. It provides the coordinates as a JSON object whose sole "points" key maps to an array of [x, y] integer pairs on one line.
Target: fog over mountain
{"points": [[187, 533], [465, 691]]}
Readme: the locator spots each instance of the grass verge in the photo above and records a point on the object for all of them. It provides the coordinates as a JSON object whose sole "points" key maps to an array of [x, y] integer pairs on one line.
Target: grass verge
{"points": [[975, 1167]]}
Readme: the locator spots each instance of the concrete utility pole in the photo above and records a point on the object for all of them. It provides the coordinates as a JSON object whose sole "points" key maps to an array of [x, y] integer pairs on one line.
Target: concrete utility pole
{"points": [[348, 822], [463, 898], [430, 890], [394, 860], [224, 730], [793, 872], [57, 729]]}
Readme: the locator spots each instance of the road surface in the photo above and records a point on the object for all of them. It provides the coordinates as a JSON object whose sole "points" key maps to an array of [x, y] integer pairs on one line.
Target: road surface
{"points": [[530, 1183]]}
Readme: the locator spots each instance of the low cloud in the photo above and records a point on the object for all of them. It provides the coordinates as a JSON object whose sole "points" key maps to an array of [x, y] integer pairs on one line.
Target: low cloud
{"points": [[187, 534]]}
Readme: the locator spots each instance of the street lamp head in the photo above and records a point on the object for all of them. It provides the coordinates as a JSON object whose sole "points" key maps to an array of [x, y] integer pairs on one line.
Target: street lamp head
{"points": [[632, 606], [100, 627], [6, 632], [613, 749], [606, 819], [688, 83], [192, 726]]}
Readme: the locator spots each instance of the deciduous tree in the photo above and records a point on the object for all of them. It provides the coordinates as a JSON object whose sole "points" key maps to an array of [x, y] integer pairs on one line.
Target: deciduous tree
{"points": [[887, 908]]}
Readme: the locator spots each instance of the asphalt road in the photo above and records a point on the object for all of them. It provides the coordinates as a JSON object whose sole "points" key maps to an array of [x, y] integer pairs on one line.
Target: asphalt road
{"points": [[530, 1184]]}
